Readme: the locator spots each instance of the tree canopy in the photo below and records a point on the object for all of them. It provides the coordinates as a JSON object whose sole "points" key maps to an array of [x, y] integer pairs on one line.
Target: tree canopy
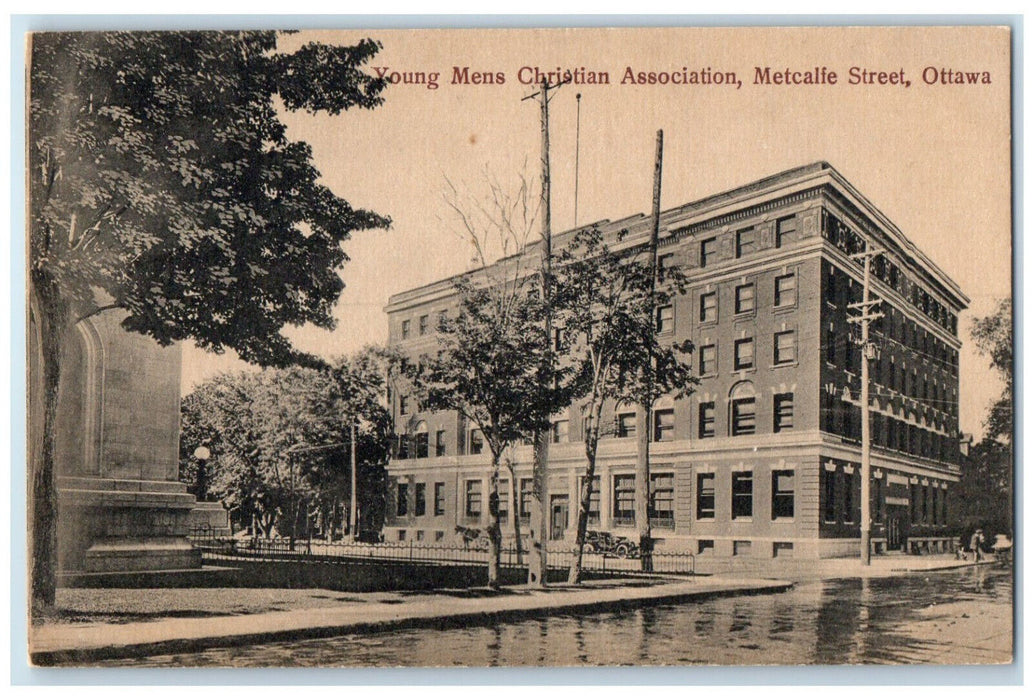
{"points": [[163, 176], [280, 438], [993, 337]]}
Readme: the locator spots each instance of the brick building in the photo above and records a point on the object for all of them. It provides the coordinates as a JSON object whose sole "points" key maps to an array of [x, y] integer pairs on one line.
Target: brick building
{"points": [[763, 459]]}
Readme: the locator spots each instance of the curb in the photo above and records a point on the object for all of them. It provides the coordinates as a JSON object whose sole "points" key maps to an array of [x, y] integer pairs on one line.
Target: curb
{"points": [[83, 655]]}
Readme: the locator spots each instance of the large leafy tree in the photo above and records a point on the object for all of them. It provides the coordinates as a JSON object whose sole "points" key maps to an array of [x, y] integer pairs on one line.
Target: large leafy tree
{"points": [[606, 299], [163, 183], [993, 337], [486, 369], [279, 443], [984, 496]]}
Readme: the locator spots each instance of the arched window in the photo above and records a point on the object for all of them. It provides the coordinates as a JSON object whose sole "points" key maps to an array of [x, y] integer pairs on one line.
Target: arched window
{"points": [[664, 419], [742, 409], [420, 439]]}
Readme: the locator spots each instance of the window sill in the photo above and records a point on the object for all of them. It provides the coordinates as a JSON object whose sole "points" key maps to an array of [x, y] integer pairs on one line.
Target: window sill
{"points": [[743, 519], [706, 520], [707, 324], [782, 520], [784, 365], [744, 315], [784, 309], [747, 370]]}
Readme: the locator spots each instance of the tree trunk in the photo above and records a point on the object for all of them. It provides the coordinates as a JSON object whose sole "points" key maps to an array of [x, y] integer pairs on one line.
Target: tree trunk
{"points": [[514, 509], [538, 528], [43, 498], [642, 487], [574, 574], [495, 534]]}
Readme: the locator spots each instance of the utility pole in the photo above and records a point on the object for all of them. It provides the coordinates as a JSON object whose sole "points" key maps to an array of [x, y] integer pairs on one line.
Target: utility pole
{"points": [[539, 527], [643, 417], [354, 509], [869, 353]]}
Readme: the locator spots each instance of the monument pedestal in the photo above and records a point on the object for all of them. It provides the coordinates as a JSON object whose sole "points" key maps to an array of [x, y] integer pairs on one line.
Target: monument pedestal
{"points": [[120, 505]]}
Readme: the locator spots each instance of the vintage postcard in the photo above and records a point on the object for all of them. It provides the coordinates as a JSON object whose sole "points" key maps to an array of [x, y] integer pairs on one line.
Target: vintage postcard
{"points": [[520, 347]]}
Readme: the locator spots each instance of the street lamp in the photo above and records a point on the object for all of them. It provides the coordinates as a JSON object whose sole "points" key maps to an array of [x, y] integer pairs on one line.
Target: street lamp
{"points": [[201, 454]]}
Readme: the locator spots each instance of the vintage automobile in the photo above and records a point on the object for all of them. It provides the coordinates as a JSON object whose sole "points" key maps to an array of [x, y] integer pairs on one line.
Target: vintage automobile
{"points": [[597, 542]]}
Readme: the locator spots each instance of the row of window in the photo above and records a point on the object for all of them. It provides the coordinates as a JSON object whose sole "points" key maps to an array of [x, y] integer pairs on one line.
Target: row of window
{"points": [[423, 325], [661, 499], [747, 240], [742, 421], [841, 500], [419, 499], [744, 302], [784, 352], [845, 419]]}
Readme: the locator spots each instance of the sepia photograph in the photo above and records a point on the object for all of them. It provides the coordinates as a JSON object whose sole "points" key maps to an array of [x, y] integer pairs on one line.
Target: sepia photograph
{"points": [[520, 347]]}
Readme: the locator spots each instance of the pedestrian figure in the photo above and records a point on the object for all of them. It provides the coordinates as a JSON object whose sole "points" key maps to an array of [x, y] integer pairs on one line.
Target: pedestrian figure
{"points": [[976, 542]]}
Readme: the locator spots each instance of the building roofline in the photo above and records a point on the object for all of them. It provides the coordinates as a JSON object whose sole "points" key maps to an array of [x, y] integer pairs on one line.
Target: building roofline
{"points": [[811, 175]]}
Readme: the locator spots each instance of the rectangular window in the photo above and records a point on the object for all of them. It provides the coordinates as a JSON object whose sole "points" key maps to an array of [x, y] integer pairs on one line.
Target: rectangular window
{"points": [[745, 242], [624, 500], [594, 501], [402, 500], [662, 500], [705, 547], [743, 416], [745, 298], [782, 494], [708, 250], [403, 404], [504, 500], [742, 495], [424, 325], [744, 353], [421, 445], [473, 498], [709, 307], [706, 422], [626, 425], [784, 347], [439, 498], [420, 499], [829, 501], [785, 230], [665, 262], [664, 425], [831, 344], [666, 319], [831, 285], [741, 548], [405, 329], [561, 430], [439, 443], [527, 493], [782, 412], [785, 290], [847, 489], [705, 496], [477, 441], [708, 360]]}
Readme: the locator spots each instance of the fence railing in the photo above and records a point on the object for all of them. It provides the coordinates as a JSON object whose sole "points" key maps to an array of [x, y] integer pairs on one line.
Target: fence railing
{"points": [[557, 557]]}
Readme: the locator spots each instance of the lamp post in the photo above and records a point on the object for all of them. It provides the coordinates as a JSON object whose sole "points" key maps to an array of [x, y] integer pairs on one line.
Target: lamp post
{"points": [[201, 454]]}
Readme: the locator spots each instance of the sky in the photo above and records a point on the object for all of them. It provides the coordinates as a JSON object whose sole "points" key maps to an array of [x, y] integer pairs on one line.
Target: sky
{"points": [[934, 158]]}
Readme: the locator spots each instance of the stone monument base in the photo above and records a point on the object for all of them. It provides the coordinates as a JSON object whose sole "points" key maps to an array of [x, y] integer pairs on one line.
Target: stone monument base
{"points": [[112, 525]]}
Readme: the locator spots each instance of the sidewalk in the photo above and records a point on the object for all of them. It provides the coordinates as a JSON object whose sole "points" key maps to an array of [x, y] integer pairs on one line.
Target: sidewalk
{"points": [[812, 569], [79, 642]]}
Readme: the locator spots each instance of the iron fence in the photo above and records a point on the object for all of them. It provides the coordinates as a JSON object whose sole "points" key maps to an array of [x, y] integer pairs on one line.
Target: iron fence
{"points": [[557, 557]]}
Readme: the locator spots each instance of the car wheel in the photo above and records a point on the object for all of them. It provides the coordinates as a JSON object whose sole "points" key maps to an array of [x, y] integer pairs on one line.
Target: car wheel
{"points": [[622, 550], [588, 548]]}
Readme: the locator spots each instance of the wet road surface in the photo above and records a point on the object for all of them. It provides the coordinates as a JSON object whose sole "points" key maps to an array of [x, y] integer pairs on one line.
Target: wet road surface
{"points": [[956, 617]]}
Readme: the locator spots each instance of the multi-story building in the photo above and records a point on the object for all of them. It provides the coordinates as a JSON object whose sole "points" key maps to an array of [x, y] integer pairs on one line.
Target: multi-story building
{"points": [[763, 458]]}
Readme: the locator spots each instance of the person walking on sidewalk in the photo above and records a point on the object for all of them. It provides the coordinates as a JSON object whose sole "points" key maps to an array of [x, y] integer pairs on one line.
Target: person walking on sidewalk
{"points": [[975, 543]]}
